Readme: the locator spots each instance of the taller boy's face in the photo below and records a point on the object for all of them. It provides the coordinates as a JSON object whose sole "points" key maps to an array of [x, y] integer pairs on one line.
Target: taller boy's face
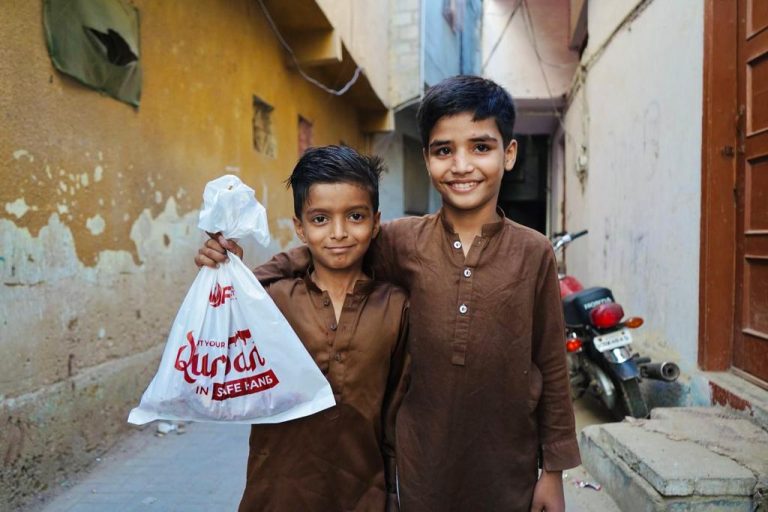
{"points": [[466, 160], [337, 223]]}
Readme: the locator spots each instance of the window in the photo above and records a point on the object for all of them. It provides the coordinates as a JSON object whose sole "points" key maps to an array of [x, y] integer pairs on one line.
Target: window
{"points": [[305, 135], [263, 138]]}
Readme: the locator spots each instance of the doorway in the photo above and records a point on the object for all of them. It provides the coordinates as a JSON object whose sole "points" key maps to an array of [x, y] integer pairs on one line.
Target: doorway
{"points": [[734, 247]]}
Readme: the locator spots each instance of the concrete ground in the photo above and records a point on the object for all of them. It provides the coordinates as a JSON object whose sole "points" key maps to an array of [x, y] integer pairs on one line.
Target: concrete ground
{"points": [[203, 469]]}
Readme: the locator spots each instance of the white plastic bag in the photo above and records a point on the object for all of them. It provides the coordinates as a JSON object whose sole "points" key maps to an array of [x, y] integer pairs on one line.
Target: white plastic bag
{"points": [[231, 355], [230, 207]]}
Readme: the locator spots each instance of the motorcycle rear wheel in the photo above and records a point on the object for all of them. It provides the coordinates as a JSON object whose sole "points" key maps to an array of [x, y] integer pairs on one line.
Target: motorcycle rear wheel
{"points": [[630, 401]]}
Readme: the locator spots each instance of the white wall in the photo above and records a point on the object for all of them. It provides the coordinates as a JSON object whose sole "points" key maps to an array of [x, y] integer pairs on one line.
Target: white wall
{"points": [[639, 117], [514, 64], [389, 146]]}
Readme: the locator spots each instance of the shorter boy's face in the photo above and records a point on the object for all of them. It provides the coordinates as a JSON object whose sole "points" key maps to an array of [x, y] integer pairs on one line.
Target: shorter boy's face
{"points": [[466, 160], [337, 223]]}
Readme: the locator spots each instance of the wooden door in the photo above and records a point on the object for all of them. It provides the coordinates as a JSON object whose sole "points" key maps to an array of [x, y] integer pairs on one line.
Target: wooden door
{"points": [[750, 337]]}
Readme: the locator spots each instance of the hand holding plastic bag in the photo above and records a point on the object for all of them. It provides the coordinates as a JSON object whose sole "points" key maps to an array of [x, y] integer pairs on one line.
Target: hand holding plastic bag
{"points": [[231, 208], [231, 355]]}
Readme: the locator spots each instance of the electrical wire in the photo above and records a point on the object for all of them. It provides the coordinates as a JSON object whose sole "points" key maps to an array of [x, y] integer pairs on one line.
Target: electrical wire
{"points": [[501, 36], [286, 46], [531, 32]]}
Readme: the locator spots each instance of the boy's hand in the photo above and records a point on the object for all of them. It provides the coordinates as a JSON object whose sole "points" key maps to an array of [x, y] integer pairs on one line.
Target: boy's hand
{"points": [[548, 493], [214, 251]]}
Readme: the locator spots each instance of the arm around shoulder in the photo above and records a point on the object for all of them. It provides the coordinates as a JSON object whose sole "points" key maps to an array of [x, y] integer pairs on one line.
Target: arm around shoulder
{"points": [[291, 263]]}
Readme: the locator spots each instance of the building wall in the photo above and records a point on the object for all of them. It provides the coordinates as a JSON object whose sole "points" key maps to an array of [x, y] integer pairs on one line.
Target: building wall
{"points": [[638, 119], [364, 29], [442, 46], [98, 213], [514, 63], [405, 51]]}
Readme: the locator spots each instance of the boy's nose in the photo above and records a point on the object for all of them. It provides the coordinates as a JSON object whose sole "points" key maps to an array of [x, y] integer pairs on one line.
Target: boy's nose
{"points": [[339, 230], [461, 164]]}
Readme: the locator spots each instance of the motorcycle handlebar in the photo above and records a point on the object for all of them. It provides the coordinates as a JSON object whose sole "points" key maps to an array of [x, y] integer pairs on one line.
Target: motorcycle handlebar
{"points": [[580, 233], [561, 240]]}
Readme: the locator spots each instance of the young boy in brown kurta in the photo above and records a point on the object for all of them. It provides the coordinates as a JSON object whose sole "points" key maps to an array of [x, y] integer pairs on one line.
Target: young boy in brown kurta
{"points": [[355, 328], [488, 402]]}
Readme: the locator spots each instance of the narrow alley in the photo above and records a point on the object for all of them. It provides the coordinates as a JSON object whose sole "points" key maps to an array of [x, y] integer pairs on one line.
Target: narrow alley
{"points": [[201, 468]]}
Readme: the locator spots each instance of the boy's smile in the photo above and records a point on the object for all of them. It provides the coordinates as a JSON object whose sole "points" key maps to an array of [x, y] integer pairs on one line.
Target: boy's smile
{"points": [[337, 224], [466, 160]]}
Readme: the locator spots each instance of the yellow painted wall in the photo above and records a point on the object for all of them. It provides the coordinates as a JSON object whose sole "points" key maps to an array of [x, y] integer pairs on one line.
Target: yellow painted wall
{"points": [[98, 209]]}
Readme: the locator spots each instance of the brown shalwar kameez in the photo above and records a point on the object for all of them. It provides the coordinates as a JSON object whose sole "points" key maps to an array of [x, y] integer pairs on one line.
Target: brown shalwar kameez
{"points": [[340, 459], [488, 394]]}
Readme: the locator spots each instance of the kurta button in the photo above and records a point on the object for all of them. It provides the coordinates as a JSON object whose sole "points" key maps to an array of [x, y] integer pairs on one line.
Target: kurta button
{"points": [[467, 272], [457, 245], [337, 357], [326, 302], [334, 326], [463, 309]]}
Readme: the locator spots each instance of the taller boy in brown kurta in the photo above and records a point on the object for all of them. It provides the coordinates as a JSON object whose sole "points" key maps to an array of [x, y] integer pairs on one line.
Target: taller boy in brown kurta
{"points": [[489, 393]]}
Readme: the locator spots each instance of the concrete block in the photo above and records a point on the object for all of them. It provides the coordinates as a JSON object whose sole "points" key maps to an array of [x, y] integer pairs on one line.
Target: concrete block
{"points": [[722, 431], [632, 492], [676, 466], [750, 400], [402, 18], [628, 489]]}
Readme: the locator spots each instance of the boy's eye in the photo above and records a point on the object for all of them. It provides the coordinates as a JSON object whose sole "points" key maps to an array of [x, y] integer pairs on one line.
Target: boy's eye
{"points": [[356, 216], [319, 219], [482, 148], [442, 151]]}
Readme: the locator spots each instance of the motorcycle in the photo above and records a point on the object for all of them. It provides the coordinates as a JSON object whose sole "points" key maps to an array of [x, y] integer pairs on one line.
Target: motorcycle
{"points": [[598, 344]]}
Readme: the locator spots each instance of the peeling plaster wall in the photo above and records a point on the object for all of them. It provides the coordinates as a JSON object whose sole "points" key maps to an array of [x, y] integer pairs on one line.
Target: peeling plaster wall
{"points": [[638, 115], [98, 213]]}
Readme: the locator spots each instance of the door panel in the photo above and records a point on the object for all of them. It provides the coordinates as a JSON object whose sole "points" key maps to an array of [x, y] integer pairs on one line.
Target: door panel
{"points": [[757, 94], [750, 343], [757, 16], [756, 202]]}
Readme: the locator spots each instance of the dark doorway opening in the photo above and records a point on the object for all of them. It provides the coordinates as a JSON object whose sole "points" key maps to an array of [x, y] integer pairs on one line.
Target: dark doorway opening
{"points": [[523, 194]]}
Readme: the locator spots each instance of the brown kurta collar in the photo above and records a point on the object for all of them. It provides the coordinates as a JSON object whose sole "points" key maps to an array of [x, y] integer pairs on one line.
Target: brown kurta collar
{"points": [[363, 287], [487, 231]]}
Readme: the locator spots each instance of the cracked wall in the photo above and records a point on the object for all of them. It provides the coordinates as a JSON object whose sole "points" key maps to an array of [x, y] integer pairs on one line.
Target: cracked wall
{"points": [[638, 129], [98, 213]]}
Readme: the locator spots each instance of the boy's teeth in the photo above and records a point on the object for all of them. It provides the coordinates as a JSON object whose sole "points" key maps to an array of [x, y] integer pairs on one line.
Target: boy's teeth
{"points": [[463, 186]]}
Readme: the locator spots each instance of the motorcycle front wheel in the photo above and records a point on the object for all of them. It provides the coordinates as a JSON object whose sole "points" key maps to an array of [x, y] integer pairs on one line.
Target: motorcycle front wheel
{"points": [[630, 401]]}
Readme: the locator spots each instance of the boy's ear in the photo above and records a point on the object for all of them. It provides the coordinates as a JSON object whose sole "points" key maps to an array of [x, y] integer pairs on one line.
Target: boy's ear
{"points": [[510, 155], [425, 154], [299, 229]]}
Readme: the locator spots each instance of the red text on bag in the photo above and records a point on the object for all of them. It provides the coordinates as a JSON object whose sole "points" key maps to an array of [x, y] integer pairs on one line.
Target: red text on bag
{"points": [[246, 386], [220, 294], [193, 364]]}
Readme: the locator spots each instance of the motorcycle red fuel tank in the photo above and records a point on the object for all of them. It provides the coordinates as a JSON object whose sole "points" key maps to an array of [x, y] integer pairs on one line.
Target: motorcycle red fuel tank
{"points": [[569, 285]]}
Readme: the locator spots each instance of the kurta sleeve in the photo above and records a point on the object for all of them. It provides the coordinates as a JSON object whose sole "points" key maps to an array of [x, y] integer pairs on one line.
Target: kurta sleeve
{"points": [[557, 432], [397, 385], [382, 257], [386, 251], [291, 263]]}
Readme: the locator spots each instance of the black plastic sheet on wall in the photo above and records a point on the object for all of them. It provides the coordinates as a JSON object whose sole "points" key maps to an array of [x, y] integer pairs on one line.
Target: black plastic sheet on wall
{"points": [[97, 43]]}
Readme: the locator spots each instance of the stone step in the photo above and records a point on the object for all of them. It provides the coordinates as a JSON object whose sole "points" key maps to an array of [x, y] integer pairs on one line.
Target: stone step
{"points": [[681, 459]]}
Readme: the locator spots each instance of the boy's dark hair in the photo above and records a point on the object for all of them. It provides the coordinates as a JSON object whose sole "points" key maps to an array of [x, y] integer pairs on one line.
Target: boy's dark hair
{"points": [[334, 164], [466, 93]]}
